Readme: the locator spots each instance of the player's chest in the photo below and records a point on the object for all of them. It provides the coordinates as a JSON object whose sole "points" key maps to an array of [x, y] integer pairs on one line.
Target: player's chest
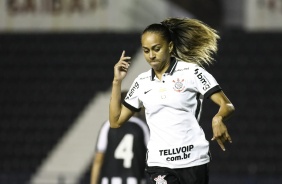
{"points": [[170, 90]]}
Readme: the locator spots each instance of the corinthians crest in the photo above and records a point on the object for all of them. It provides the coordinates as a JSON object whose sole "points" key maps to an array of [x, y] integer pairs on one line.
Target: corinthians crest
{"points": [[160, 179], [178, 85]]}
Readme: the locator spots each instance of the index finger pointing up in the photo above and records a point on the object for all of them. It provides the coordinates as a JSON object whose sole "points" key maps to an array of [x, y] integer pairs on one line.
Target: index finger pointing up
{"points": [[122, 54]]}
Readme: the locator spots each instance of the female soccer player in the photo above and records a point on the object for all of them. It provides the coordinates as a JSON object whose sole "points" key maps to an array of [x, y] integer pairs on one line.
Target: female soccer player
{"points": [[172, 92]]}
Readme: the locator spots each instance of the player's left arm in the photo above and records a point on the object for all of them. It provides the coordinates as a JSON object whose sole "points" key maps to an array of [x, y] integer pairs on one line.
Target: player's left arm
{"points": [[226, 109]]}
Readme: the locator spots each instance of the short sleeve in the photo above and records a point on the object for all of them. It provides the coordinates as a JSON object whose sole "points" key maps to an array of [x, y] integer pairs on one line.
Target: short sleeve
{"points": [[132, 100], [102, 141], [205, 83]]}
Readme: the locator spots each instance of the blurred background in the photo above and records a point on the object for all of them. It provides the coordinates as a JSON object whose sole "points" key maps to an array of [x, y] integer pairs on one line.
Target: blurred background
{"points": [[56, 69]]}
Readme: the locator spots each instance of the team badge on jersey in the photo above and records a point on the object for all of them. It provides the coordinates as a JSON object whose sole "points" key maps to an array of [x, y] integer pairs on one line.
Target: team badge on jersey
{"points": [[178, 85], [160, 179]]}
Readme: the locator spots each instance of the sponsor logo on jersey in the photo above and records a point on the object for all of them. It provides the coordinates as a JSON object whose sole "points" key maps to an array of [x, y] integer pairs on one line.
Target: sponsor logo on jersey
{"points": [[160, 179], [178, 85], [203, 79], [132, 90], [176, 154]]}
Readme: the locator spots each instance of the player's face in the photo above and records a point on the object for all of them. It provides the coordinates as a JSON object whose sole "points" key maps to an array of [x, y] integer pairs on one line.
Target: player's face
{"points": [[156, 51]]}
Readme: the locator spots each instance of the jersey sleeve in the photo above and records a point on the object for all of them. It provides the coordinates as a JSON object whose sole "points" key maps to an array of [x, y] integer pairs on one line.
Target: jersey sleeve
{"points": [[204, 82], [102, 142], [132, 100]]}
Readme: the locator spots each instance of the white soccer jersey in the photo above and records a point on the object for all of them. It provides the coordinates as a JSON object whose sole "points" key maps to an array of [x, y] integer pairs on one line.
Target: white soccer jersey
{"points": [[173, 107]]}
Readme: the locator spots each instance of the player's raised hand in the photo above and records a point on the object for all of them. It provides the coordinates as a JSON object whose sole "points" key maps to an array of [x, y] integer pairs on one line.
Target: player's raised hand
{"points": [[121, 67]]}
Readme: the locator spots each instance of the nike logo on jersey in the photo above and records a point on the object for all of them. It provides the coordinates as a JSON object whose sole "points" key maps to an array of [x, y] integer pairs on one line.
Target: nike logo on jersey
{"points": [[147, 91]]}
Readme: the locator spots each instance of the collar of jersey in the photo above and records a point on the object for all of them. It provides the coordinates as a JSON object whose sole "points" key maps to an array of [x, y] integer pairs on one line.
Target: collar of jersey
{"points": [[170, 69]]}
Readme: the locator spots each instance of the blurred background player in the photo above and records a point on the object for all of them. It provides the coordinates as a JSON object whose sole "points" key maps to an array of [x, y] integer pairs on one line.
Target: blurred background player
{"points": [[121, 153]]}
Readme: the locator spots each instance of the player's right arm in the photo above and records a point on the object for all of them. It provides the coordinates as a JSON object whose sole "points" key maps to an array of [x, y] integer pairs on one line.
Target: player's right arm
{"points": [[118, 114]]}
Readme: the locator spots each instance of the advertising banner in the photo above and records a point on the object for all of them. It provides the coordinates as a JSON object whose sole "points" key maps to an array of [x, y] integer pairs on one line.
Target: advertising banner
{"points": [[83, 15], [52, 15], [263, 15]]}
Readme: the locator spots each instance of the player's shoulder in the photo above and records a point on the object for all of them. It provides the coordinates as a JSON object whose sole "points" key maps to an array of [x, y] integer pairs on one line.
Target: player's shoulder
{"points": [[142, 124], [185, 67], [183, 64], [189, 67], [105, 126]]}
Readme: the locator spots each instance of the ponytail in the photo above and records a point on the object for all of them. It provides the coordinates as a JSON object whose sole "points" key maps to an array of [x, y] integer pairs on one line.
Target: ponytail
{"points": [[193, 41]]}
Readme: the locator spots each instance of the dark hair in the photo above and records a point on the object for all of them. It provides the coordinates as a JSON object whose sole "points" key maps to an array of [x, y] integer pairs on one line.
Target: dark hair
{"points": [[193, 41], [160, 29]]}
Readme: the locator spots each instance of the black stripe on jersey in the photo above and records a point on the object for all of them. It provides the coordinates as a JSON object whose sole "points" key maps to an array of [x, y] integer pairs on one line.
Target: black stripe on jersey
{"points": [[131, 107], [170, 69], [198, 105], [212, 91], [172, 66]]}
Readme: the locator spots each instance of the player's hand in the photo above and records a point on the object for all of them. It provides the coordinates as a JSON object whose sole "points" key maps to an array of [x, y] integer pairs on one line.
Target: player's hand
{"points": [[121, 67], [220, 133]]}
